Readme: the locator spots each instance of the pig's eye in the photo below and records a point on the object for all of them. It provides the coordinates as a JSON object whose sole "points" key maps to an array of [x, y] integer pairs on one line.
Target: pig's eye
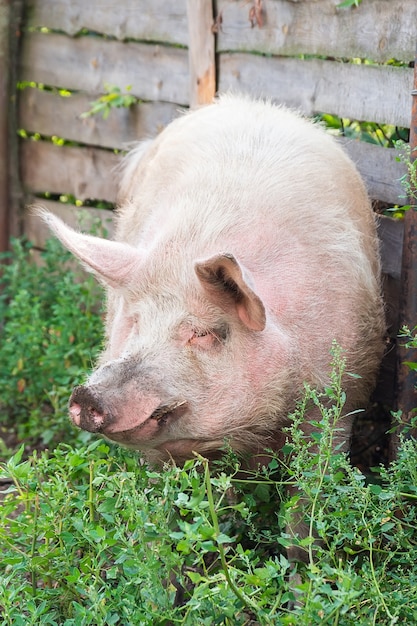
{"points": [[201, 333], [206, 339], [202, 339]]}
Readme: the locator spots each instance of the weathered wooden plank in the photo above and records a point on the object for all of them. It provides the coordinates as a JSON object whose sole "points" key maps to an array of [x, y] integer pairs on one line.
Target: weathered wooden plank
{"points": [[81, 218], [201, 52], [147, 20], [155, 72], [362, 92], [86, 173], [377, 29], [379, 169], [50, 114], [390, 233]]}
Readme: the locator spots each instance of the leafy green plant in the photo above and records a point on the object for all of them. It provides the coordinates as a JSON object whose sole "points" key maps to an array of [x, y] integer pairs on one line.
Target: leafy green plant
{"points": [[51, 329], [91, 535], [409, 180], [113, 98], [410, 337], [370, 132]]}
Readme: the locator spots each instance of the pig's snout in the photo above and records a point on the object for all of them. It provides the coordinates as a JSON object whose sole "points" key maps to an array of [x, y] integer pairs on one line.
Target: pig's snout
{"points": [[94, 409], [86, 410]]}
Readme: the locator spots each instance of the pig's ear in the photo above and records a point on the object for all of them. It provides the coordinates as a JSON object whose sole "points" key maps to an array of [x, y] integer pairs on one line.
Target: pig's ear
{"points": [[224, 280], [112, 262]]}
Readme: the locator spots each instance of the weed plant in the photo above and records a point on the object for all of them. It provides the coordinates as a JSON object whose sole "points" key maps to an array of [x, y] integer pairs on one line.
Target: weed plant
{"points": [[91, 535], [409, 179], [51, 330]]}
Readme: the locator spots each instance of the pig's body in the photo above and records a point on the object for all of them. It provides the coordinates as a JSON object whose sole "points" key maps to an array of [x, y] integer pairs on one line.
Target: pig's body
{"points": [[246, 245]]}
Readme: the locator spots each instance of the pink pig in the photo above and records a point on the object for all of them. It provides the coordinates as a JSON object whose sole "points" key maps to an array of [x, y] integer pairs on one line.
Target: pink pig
{"points": [[245, 245]]}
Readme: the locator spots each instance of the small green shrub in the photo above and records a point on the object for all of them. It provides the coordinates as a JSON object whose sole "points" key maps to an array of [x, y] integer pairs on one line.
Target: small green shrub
{"points": [[51, 330]]}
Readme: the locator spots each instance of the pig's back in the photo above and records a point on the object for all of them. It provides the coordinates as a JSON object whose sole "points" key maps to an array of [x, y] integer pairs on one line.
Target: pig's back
{"points": [[239, 162]]}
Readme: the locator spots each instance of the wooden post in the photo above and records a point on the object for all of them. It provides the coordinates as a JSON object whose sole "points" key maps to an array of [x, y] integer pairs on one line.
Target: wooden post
{"points": [[201, 52], [5, 14], [407, 378], [10, 190]]}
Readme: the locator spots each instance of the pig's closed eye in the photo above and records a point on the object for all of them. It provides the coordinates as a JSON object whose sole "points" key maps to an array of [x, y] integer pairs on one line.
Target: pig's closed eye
{"points": [[207, 338], [202, 339]]}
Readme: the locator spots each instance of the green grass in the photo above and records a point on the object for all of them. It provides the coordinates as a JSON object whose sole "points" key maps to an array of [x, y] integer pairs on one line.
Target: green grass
{"points": [[89, 534], [51, 330]]}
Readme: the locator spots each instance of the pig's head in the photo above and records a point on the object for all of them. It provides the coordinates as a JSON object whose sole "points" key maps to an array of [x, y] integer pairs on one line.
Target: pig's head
{"points": [[191, 358]]}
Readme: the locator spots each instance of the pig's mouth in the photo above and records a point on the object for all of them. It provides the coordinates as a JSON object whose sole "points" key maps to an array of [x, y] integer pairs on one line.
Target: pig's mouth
{"points": [[163, 412], [144, 434]]}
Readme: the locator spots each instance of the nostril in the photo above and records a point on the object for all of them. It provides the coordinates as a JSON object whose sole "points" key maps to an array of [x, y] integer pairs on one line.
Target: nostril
{"points": [[96, 417], [86, 409], [75, 413]]}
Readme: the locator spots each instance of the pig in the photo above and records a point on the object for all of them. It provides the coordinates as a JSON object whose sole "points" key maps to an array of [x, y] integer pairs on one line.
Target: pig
{"points": [[245, 246]]}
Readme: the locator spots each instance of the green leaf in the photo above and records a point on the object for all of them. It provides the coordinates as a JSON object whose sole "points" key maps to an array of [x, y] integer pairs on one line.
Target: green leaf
{"points": [[262, 492], [222, 538], [376, 489], [348, 3], [195, 577], [16, 458], [74, 576], [98, 533]]}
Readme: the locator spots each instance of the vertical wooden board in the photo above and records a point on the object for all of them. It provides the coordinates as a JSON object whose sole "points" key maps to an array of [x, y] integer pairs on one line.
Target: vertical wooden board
{"points": [[154, 72], [362, 92], [4, 122], [147, 20], [390, 233], [406, 375], [15, 192], [50, 114], [376, 29], [201, 52]]}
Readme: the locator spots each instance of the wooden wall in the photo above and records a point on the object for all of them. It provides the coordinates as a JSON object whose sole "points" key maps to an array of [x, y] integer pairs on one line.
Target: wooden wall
{"points": [[144, 44], [292, 51]]}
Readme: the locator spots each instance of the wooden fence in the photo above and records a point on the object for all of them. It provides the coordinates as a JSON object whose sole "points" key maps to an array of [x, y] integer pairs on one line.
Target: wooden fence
{"points": [[178, 53], [291, 51]]}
